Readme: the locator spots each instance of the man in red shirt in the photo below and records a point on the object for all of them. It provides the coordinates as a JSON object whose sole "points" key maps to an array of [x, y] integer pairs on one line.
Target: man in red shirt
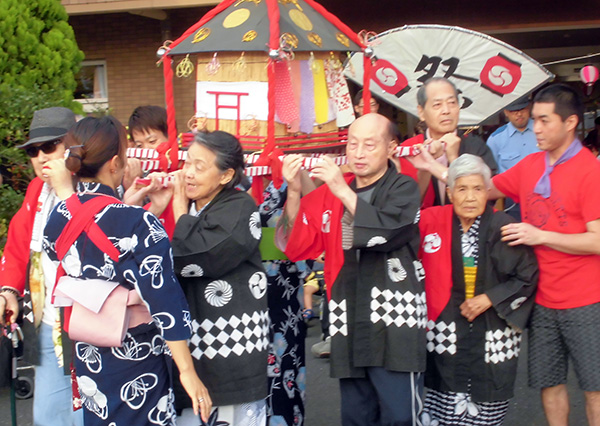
{"points": [[560, 199], [559, 190]]}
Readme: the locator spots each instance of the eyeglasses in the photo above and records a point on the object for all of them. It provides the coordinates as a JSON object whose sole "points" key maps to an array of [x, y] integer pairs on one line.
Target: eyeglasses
{"points": [[47, 148]]}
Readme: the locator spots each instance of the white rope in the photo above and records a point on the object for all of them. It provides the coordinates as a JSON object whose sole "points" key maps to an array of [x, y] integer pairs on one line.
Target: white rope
{"points": [[591, 55]]}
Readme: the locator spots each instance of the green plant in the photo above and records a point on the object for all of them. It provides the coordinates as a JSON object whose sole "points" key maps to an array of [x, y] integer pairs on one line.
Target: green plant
{"points": [[39, 58], [37, 46]]}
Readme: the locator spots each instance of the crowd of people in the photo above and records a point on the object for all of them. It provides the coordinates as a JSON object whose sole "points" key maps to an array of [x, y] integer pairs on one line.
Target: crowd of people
{"points": [[197, 285]]}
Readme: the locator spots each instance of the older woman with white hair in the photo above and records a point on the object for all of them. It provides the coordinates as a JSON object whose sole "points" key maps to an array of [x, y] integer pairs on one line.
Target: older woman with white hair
{"points": [[479, 297]]}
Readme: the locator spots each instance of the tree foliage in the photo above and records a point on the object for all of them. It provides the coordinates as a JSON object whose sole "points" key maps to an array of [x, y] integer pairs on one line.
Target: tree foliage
{"points": [[37, 46], [39, 58]]}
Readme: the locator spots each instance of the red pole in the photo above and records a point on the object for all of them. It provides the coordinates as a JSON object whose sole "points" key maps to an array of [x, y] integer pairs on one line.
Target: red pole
{"points": [[170, 103]]}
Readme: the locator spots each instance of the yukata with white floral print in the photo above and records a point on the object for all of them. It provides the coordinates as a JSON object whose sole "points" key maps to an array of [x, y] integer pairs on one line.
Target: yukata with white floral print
{"points": [[218, 262], [131, 384], [286, 364]]}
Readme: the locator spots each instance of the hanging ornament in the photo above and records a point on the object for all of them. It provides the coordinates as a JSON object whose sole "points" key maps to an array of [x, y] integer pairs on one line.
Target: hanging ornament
{"points": [[274, 54], [369, 39], [213, 66], [162, 51], [312, 63], [350, 65], [287, 43], [184, 67], [240, 65], [198, 122], [589, 75], [334, 62]]}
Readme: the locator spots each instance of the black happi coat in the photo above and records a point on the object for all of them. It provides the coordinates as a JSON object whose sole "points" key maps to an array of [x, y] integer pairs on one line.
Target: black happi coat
{"points": [[485, 351], [377, 309], [218, 263]]}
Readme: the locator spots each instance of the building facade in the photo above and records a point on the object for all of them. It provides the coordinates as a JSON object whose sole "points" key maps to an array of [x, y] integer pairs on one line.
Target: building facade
{"points": [[120, 39]]}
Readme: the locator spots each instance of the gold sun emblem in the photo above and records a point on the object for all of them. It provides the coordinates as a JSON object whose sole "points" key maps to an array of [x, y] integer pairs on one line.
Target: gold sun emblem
{"points": [[250, 35], [343, 39], [315, 39], [236, 18], [201, 35], [300, 19]]}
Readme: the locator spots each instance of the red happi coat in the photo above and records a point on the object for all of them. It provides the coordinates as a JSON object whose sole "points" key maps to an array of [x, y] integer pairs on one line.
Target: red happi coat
{"points": [[311, 238], [13, 267], [377, 312], [478, 357]]}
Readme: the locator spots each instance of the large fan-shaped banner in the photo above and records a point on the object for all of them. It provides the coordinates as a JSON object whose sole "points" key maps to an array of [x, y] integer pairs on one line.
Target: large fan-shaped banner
{"points": [[488, 73]]}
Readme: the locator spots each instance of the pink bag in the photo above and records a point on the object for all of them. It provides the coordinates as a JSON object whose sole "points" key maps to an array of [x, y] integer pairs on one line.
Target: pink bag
{"points": [[102, 311]]}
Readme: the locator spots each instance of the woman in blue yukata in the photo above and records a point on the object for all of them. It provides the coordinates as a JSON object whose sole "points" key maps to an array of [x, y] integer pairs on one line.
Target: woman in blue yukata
{"points": [[286, 363], [128, 384], [218, 262]]}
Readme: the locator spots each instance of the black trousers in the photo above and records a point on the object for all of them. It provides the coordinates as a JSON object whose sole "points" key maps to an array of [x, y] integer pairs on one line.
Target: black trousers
{"points": [[382, 398]]}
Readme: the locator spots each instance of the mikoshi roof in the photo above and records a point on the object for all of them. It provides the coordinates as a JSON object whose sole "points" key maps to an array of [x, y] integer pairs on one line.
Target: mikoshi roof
{"points": [[257, 25]]}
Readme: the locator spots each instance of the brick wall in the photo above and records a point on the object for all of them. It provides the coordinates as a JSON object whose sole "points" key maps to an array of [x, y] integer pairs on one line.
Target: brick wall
{"points": [[128, 44]]}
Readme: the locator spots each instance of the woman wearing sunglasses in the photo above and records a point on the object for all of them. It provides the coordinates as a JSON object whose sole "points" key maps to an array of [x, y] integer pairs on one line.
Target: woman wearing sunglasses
{"points": [[26, 269]]}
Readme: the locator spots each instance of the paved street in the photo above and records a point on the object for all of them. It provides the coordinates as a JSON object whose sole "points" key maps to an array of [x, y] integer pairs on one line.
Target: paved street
{"points": [[323, 398]]}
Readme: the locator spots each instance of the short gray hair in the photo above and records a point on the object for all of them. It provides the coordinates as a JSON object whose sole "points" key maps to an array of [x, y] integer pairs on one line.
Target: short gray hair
{"points": [[467, 165], [422, 92]]}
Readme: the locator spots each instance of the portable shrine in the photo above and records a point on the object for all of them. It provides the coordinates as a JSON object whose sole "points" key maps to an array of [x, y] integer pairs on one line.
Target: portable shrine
{"points": [[268, 71]]}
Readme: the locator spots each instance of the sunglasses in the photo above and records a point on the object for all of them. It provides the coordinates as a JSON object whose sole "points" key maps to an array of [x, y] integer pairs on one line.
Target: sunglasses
{"points": [[47, 148]]}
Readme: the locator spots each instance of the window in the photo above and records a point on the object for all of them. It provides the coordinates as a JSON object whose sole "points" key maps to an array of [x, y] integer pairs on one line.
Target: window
{"points": [[92, 90]]}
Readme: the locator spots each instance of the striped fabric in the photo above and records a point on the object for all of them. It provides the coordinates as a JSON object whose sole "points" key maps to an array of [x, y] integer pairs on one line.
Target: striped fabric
{"points": [[470, 274], [470, 252]]}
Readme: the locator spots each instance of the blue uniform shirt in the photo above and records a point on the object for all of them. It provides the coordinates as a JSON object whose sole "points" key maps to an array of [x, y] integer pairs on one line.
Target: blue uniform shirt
{"points": [[510, 146]]}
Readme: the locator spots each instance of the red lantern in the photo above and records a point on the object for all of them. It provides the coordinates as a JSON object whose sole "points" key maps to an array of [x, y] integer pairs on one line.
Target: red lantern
{"points": [[589, 75]]}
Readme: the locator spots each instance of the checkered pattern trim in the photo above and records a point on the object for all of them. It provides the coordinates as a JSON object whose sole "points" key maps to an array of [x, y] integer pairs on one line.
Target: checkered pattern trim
{"points": [[234, 335], [338, 318], [27, 306], [502, 345], [441, 337], [397, 308]]}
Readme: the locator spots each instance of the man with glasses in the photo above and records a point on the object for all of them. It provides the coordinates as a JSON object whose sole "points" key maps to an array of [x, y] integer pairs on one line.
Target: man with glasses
{"points": [[439, 107], [25, 270]]}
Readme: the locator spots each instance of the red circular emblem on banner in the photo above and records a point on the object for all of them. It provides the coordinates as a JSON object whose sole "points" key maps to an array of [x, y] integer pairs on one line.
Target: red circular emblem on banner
{"points": [[500, 75]]}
